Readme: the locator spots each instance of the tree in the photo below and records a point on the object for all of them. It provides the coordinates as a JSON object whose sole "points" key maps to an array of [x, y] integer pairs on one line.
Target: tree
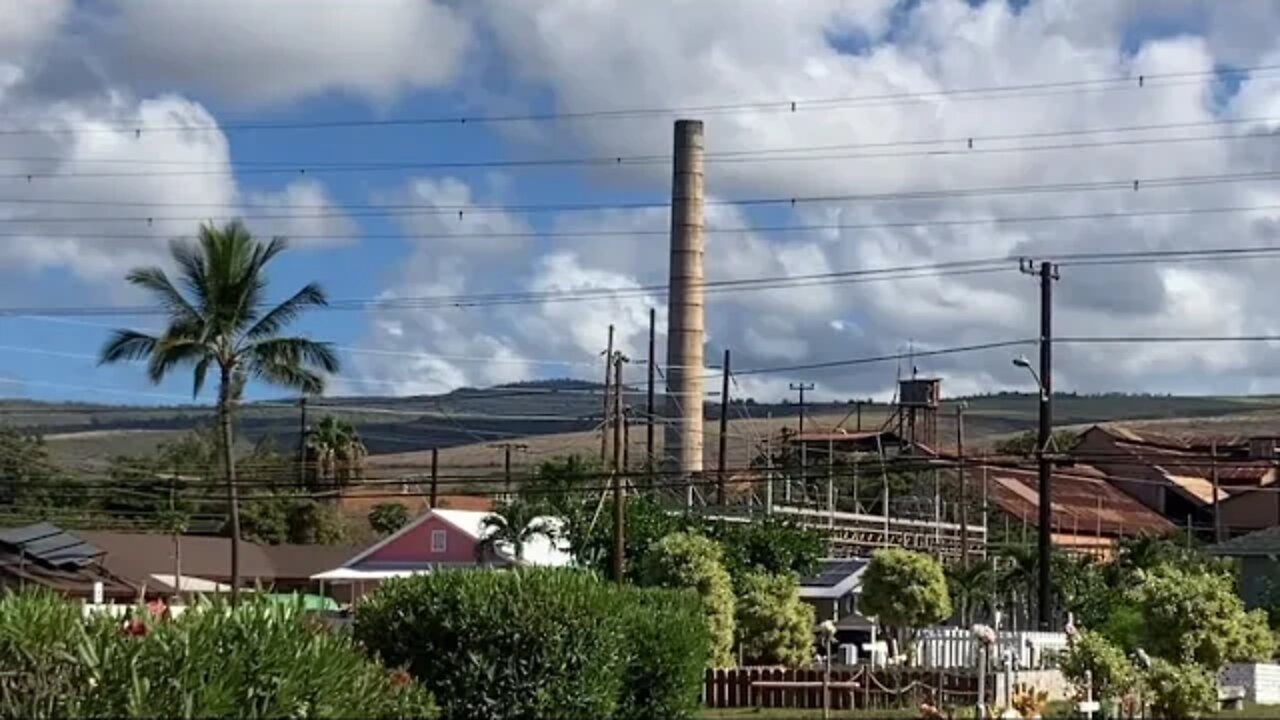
{"points": [[1195, 616], [775, 626], [28, 478], [773, 545], [1180, 690], [687, 560], [905, 591], [557, 485], [1091, 658], [513, 525], [386, 518], [647, 522], [222, 322], [335, 454], [972, 588]]}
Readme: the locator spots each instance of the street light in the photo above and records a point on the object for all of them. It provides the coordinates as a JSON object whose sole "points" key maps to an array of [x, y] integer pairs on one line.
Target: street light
{"points": [[1022, 362]]}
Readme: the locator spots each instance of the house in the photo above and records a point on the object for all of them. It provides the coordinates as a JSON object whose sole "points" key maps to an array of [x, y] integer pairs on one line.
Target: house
{"points": [[1174, 474], [1088, 514], [146, 560], [833, 591], [436, 540], [1258, 554], [44, 555]]}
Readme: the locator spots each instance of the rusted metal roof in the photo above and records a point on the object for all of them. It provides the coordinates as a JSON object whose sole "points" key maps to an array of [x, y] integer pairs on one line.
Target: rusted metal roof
{"points": [[1083, 502]]}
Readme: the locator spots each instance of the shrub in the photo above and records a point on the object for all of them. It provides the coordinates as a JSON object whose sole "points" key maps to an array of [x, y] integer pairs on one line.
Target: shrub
{"points": [[1180, 691], [1195, 615], [386, 518], [255, 661], [667, 649], [906, 591], [1113, 674], [540, 643], [686, 560], [40, 675], [774, 624]]}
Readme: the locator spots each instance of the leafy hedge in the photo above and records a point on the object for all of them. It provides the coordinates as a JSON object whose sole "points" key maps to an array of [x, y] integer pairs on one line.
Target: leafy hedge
{"points": [[540, 643], [257, 661]]}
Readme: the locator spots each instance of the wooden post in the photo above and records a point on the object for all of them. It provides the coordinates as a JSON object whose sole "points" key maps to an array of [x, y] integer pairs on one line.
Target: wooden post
{"points": [[604, 415], [1213, 471], [435, 476]]}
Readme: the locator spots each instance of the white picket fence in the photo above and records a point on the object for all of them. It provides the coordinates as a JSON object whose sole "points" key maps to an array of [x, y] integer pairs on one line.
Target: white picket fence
{"points": [[944, 648]]}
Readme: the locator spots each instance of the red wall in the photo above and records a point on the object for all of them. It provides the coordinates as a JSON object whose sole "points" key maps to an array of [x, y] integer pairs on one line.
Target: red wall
{"points": [[415, 546]]}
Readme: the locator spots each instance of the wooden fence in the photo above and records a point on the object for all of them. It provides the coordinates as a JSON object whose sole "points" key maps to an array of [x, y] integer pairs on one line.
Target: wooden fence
{"points": [[881, 688]]}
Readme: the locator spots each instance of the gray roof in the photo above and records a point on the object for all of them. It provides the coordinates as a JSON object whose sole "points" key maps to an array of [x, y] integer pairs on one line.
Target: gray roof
{"points": [[50, 544], [1260, 543], [834, 571]]}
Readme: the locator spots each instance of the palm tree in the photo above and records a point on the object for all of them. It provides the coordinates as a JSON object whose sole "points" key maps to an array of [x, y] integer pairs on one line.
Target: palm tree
{"points": [[336, 453], [1021, 576], [972, 588], [219, 319], [513, 525]]}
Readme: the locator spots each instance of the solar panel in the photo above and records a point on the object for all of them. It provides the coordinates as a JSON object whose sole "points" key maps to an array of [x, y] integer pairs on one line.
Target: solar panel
{"points": [[833, 572], [50, 544]]}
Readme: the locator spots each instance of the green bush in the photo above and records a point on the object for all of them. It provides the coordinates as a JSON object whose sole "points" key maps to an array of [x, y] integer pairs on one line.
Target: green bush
{"points": [[256, 661], [1180, 691], [40, 673], [540, 643], [687, 560], [774, 624], [906, 591], [667, 645], [1113, 674]]}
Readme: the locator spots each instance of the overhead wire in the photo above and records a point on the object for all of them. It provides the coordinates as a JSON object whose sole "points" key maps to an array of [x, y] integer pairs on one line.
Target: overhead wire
{"points": [[784, 105], [1134, 184]]}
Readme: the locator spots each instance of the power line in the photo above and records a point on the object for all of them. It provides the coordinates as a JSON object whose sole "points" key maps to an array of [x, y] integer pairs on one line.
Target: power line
{"points": [[1131, 183], [967, 147], [782, 105], [819, 227]]}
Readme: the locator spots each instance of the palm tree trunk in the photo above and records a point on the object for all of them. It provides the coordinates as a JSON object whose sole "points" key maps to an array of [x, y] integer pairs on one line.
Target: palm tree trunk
{"points": [[229, 465]]}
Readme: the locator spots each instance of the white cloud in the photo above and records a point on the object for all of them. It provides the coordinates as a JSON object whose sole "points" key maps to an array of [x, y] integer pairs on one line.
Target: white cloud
{"points": [[271, 52]]}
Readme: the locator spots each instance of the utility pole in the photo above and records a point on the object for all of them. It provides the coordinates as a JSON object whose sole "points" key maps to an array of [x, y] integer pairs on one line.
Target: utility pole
{"points": [[858, 404], [626, 439], [435, 476], [724, 431], [302, 441], [604, 427], [804, 446], [649, 409], [1213, 471], [1048, 273], [619, 498], [506, 460], [964, 486]]}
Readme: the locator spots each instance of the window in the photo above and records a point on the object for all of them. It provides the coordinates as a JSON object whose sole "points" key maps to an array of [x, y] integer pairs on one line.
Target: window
{"points": [[438, 540]]}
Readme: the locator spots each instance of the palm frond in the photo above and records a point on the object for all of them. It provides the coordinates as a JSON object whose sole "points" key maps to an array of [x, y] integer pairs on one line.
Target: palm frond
{"points": [[171, 352], [199, 374], [126, 345], [300, 351], [155, 281], [194, 271], [288, 375], [286, 312]]}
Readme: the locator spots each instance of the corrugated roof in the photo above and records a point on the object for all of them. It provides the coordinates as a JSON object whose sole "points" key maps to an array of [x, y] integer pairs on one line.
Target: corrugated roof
{"points": [[1197, 488], [1261, 543], [1083, 502], [137, 556]]}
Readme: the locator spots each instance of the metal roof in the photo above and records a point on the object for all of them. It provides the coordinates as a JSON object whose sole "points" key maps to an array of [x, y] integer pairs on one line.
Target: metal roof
{"points": [[834, 578], [1261, 543], [1083, 503], [49, 544]]}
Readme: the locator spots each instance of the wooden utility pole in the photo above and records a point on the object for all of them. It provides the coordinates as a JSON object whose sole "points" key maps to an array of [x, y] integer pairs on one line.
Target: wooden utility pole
{"points": [[804, 446], [506, 449], [302, 441], [1047, 273], [619, 498], [650, 457], [626, 439], [858, 404], [722, 469], [604, 422], [177, 536], [435, 476], [964, 486], [1213, 472]]}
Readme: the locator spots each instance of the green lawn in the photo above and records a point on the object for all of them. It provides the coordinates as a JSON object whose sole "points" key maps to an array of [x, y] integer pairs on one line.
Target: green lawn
{"points": [[1055, 710]]}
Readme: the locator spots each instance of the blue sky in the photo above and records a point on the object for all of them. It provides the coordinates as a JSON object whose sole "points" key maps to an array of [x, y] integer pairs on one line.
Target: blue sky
{"points": [[65, 65]]}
